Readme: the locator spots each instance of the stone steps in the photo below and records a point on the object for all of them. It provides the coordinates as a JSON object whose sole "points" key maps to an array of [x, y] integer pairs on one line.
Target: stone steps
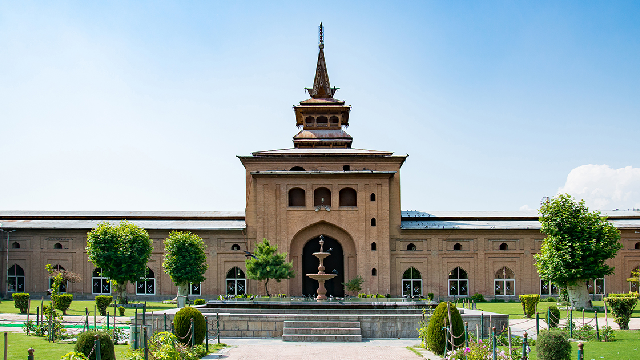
{"points": [[325, 331]]}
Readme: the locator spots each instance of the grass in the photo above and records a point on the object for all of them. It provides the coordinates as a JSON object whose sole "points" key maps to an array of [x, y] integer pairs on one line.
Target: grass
{"points": [[77, 307], [514, 310], [19, 343]]}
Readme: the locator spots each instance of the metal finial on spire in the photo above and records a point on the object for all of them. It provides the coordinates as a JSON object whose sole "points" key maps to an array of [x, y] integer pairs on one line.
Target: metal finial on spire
{"points": [[321, 36]]}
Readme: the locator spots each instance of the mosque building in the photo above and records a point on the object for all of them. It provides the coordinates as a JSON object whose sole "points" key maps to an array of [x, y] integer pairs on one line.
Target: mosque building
{"points": [[321, 186]]}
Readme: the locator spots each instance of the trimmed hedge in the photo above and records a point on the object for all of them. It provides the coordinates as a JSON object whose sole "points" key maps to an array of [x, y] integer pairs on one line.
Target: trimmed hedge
{"points": [[21, 301], [435, 333], [621, 306], [102, 302], [555, 316], [199, 302], [529, 303], [86, 341], [62, 302], [553, 345], [182, 324]]}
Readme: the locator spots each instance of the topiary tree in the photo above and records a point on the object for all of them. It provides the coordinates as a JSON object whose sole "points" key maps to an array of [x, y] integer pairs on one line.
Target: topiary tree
{"points": [[621, 306], [436, 335], [102, 303], [86, 340], [122, 252], [21, 301], [529, 303], [553, 316], [266, 264], [576, 246], [182, 324], [185, 261], [553, 345]]}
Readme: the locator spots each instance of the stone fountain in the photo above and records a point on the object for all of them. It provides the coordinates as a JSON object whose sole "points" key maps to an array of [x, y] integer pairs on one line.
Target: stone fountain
{"points": [[321, 276]]}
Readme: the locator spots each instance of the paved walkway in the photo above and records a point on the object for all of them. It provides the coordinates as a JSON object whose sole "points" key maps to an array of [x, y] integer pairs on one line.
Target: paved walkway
{"points": [[276, 349]]}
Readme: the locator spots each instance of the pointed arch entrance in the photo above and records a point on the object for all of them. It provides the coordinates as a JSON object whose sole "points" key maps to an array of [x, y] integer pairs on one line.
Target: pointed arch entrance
{"points": [[309, 236], [334, 264]]}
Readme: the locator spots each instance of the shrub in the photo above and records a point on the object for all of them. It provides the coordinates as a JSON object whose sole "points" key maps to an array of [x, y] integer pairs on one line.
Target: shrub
{"points": [[553, 345], [62, 302], [475, 350], [199, 302], [434, 332], [430, 296], [529, 303], [551, 299], [607, 334], [182, 324], [74, 355], [586, 333], [121, 310], [621, 306], [102, 302], [86, 340], [477, 297], [21, 301], [564, 295], [555, 316]]}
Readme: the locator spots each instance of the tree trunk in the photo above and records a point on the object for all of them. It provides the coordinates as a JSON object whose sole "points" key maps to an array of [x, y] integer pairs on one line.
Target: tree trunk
{"points": [[579, 295], [121, 291], [265, 287], [183, 292]]}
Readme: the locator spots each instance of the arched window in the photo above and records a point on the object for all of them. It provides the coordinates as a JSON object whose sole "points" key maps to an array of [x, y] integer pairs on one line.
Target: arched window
{"points": [[15, 281], [148, 285], [372, 197], [334, 121], [411, 247], [322, 121], [458, 282], [57, 246], [504, 246], [548, 288], [637, 246], [322, 196], [195, 289], [99, 284], [235, 247], [297, 168], [373, 246], [63, 286], [374, 272], [296, 197], [308, 121], [373, 221], [504, 282], [457, 247], [348, 197], [15, 245], [236, 282], [411, 283], [633, 284]]}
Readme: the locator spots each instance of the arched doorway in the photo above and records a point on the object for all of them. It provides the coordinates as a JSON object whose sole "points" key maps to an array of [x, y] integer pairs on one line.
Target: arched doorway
{"points": [[334, 263]]}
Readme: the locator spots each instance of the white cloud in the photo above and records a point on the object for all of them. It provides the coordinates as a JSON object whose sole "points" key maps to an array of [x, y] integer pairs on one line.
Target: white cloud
{"points": [[525, 208], [604, 188]]}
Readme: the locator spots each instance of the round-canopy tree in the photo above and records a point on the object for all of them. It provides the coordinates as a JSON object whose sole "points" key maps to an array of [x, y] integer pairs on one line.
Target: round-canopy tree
{"points": [[267, 264], [577, 244], [121, 251], [185, 261]]}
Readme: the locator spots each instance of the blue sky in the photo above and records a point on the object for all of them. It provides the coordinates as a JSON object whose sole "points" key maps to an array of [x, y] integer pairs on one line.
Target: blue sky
{"points": [[145, 105]]}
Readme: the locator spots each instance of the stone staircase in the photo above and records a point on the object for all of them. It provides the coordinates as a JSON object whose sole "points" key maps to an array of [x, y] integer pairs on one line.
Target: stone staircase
{"points": [[319, 330]]}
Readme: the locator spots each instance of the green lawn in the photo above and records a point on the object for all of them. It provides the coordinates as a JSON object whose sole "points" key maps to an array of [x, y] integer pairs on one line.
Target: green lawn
{"points": [[515, 310], [78, 306], [19, 343]]}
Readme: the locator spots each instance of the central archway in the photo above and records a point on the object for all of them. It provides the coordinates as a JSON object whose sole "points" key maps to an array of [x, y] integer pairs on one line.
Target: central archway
{"points": [[334, 264]]}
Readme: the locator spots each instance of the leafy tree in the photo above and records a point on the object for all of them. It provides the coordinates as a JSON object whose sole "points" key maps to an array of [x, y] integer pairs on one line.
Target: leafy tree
{"points": [[577, 244], [58, 278], [121, 251], [185, 261], [266, 264], [354, 285]]}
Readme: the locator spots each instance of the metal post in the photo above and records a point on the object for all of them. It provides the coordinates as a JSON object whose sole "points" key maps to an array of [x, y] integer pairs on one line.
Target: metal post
{"points": [[597, 329], [97, 344], [165, 321], [537, 323], [30, 352], [481, 325], [95, 317], [548, 318], [571, 323], [445, 335], [37, 316], [108, 321], [193, 333], [509, 340], [135, 331], [524, 347], [86, 318], [218, 327], [493, 342], [206, 326], [6, 345], [146, 348], [466, 334], [115, 309], [144, 312], [580, 351]]}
